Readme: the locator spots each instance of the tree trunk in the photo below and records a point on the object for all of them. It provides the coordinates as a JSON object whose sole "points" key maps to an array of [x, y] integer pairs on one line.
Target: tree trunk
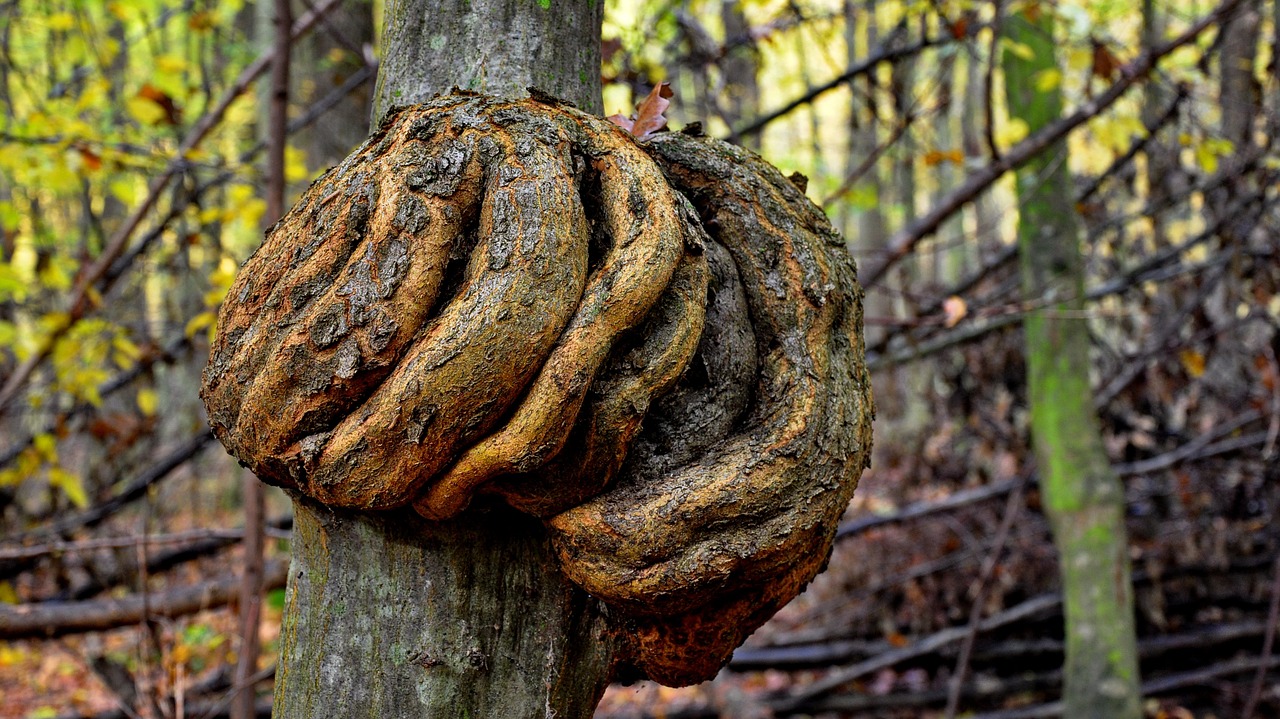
{"points": [[1163, 172], [323, 63], [386, 614], [1240, 97], [984, 209], [499, 47], [868, 236], [739, 68], [1083, 499], [389, 615]]}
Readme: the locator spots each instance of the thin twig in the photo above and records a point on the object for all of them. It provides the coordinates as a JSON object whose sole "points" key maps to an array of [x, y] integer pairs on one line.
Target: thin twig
{"points": [[883, 54], [106, 389], [906, 239], [919, 510], [83, 294], [988, 81], [1273, 615], [89, 545], [237, 690], [925, 646], [1202, 447], [132, 491], [1161, 685], [975, 612], [161, 561], [57, 619], [868, 162], [242, 698]]}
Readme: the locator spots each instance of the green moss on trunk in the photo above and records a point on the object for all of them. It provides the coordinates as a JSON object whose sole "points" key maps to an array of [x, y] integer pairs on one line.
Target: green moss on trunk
{"points": [[1082, 497]]}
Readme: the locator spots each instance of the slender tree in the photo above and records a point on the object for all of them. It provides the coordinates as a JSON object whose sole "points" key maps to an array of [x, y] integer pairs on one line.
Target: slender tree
{"points": [[274, 23], [1082, 497]]}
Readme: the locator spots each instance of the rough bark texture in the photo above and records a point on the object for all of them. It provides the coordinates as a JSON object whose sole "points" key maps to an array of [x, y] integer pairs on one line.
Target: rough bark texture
{"points": [[499, 304], [1082, 497], [427, 627], [344, 583], [357, 367], [499, 47], [703, 539]]}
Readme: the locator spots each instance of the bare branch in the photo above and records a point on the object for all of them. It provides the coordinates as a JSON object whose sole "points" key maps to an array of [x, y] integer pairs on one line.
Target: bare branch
{"points": [[132, 491], [56, 619], [82, 295], [906, 239], [885, 53]]}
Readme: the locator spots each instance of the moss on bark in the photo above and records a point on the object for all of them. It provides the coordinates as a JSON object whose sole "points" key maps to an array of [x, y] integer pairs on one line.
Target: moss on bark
{"points": [[1082, 497]]}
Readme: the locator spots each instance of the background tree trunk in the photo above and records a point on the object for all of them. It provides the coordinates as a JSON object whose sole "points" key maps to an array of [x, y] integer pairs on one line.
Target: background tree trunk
{"points": [[1082, 496], [388, 615], [275, 21]]}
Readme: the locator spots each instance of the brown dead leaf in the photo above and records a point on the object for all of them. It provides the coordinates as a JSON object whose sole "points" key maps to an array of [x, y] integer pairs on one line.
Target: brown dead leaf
{"points": [[933, 158], [622, 121], [92, 160], [610, 47], [1105, 63], [955, 309], [202, 21], [172, 113], [1192, 361], [120, 430], [648, 118]]}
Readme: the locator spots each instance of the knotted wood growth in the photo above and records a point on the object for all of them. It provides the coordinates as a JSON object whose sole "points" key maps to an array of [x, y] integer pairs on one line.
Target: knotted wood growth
{"points": [[516, 300]]}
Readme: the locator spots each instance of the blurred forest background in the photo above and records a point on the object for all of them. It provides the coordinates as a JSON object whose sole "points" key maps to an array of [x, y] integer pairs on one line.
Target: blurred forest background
{"points": [[132, 176]]}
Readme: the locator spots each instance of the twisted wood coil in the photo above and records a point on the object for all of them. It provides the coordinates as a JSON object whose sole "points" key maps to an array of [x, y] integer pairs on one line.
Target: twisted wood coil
{"points": [[656, 348]]}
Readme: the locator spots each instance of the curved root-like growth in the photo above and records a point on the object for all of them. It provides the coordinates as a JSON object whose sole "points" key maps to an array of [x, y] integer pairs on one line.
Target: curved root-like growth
{"points": [[704, 551], [514, 299]]}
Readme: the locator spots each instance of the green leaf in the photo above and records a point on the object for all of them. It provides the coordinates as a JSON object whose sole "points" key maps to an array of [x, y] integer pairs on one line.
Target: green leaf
{"points": [[204, 320], [12, 287], [1048, 79], [9, 216], [147, 401], [1019, 49], [864, 196], [47, 446], [1207, 158], [70, 485]]}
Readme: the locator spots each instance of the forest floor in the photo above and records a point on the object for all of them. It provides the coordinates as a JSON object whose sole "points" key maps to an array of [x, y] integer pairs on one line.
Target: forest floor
{"points": [[937, 522]]}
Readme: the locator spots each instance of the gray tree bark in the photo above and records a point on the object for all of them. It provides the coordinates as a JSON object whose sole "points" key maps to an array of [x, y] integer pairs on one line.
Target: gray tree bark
{"points": [[739, 68], [388, 615], [499, 47], [867, 233]]}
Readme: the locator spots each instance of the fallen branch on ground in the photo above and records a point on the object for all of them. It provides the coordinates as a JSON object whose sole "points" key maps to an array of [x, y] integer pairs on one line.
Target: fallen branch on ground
{"points": [[56, 619], [133, 490]]}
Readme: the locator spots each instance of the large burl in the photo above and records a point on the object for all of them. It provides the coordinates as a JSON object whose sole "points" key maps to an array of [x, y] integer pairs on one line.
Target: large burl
{"points": [[656, 348]]}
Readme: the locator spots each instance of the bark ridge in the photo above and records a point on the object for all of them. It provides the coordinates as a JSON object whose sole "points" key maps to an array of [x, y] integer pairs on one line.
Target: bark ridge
{"points": [[655, 348]]}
